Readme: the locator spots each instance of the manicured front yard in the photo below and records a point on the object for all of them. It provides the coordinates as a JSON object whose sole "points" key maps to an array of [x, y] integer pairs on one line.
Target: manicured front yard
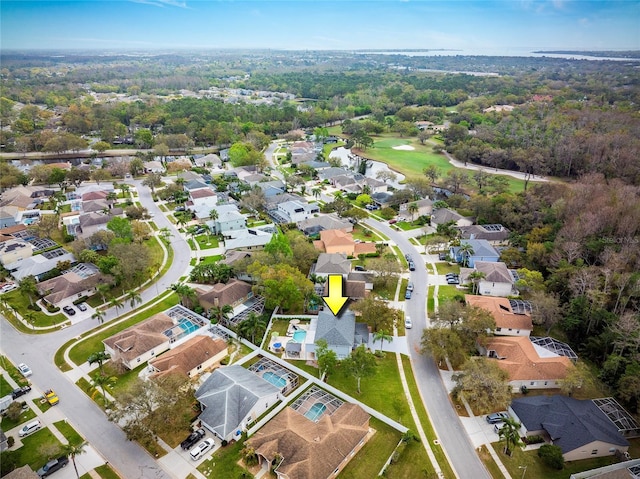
{"points": [[68, 432], [34, 446], [24, 417], [21, 304], [448, 292], [13, 373], [207, 241], [81, 351], [224, 463]]}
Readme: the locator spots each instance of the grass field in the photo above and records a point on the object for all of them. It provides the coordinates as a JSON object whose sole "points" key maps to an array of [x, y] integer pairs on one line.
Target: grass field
{"points": [[33, 445], [68, 432]]}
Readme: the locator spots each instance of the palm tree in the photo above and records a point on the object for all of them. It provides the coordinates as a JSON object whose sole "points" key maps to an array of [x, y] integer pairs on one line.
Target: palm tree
{"points": [[99, 315], [115, 303], [213, 214], [413, 209], [134, 298], [30, 316], [317, 279], [476, 277], [465, 251], [102, 291], [125, 189], [73, 450], [183, 218], [221, 313], [184, 292], [27, 287], [101, 381], [383, 336], [510, 434], [165, 234], [99, 357], [316, 192], [252, 326]]}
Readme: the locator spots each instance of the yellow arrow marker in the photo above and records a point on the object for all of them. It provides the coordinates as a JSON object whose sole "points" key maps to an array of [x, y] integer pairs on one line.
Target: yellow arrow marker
{"points": [[335, 300]]}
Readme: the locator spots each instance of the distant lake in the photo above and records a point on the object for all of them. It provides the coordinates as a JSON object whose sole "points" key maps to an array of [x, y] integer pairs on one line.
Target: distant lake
{"points": [[506, 52]]}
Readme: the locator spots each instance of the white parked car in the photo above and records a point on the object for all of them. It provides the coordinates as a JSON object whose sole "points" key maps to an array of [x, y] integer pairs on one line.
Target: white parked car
{"points": [[407, 323], [8, 287], [25, 370], [198, 451]]}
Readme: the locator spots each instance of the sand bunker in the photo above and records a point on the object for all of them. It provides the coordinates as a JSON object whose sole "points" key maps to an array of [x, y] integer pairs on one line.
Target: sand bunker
{"points": [[404, 147]]}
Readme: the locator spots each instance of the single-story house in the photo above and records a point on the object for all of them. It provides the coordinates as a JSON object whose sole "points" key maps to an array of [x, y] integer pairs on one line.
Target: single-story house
{"points": [[90, 223], [8, 216], [337, 241], [497, 281], [80, 281], [191, 357], [382, 199], [578, 427], [621, 470], [366, 278], [332, 263], [24, 472], [272, 188], [442, 216], [353, 289], [210, 160], [528, 365], [341, 333], [231, 398], [40, 264], [153, 167], [249, 239], [24, 197], [481, 250], [333, 172], [508, 321], [312, 448], [233, 293]]}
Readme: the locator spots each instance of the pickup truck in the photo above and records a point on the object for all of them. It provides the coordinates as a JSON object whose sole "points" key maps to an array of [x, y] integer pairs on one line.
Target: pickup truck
{"points": [[52, 466], [51, 397]]}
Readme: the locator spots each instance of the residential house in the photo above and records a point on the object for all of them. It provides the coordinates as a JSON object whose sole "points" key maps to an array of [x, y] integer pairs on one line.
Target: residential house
{"points": [[579, 427], [145, 340], [201, 202], [382, 199], [442, 216], [509, 322], [353, 289], [196, 184], [362, 276], [337, 241], [191, 358], [90, 223], [333, 172], [188, 175], [154, 167], [229, 219], [497, 281], [24, 197], [528, 366], [315, 225], [13, 250], [98, 205], [374, 185], [495, 234], [243, 171], [296, 211], [425, 208], [621, 470], [233, 397], [250, 238], [303, 446], [209, 161], [8, 216], [24, 472], [317, 165], [272, 188], [234, 293], [341, 333], [79, 281], [39, 264], [480, 250], [332, 263]]}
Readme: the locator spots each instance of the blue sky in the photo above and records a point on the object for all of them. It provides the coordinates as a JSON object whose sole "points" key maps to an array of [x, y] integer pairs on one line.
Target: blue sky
{"points": [[495, 26]]}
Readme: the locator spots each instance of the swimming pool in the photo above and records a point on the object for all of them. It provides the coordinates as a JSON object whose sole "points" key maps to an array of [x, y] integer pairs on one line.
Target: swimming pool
{"points": [[187, 326], [299, 336], [315, 411], [274, 379]]}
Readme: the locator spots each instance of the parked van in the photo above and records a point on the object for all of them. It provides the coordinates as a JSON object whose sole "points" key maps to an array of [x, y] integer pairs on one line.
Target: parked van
{"points": [[33, 426], [198, 451]]}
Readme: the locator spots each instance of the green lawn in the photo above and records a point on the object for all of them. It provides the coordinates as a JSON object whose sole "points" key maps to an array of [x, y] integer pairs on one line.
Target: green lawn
{"points": [[68, 432], [210, 259], [21, 304], [24, 417], [444, 268], [489, 463], [81, 351], [537, 470], [448, 292], [223, 463], [95, 394], [105, 472], [407, 226], [13, 373], [35, 446], [5, 387], [207, 241]]}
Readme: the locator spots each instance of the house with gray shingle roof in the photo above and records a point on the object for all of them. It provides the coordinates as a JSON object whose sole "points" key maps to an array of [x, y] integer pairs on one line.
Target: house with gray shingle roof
{"points": [[313, 226], [481, 251], [332, 263], [578, 427], [497, 281], [231, 398], [341, 332], [443, 216]]}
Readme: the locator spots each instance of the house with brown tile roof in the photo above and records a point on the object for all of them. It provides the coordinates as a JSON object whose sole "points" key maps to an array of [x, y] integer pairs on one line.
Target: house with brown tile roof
{"points": [[352, 289], [233, 293], [66, 288], [191, 357], [312, 450], [526, 364], [338, 241], [140, 342], [508, 323], [96, 195]]}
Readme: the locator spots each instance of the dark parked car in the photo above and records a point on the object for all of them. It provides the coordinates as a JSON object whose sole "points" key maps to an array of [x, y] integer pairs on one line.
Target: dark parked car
{"points": [[359, 268], [16, 393], [408, 257], [194, 437], [69, 310], [52, 466], [442, 256], [497, 417]]}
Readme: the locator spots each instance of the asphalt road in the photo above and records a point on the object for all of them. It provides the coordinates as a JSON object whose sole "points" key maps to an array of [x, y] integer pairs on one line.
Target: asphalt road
{"points": [[449, 429], [131, 460]]}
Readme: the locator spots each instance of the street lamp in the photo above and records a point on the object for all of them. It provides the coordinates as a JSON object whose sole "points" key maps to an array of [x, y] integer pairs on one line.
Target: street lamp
{"points": [[523, 472]]}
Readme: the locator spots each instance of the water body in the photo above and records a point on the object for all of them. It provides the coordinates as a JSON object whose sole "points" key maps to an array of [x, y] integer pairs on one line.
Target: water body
{"points": [[495, 52]]}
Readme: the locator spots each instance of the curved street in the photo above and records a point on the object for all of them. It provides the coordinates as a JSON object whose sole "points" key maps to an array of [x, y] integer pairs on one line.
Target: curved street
{"points": [[128, 458], [451, 433]]}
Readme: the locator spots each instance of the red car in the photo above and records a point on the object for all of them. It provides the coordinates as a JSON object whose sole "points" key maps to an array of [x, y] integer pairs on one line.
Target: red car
{"points": [[392, 222]]}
